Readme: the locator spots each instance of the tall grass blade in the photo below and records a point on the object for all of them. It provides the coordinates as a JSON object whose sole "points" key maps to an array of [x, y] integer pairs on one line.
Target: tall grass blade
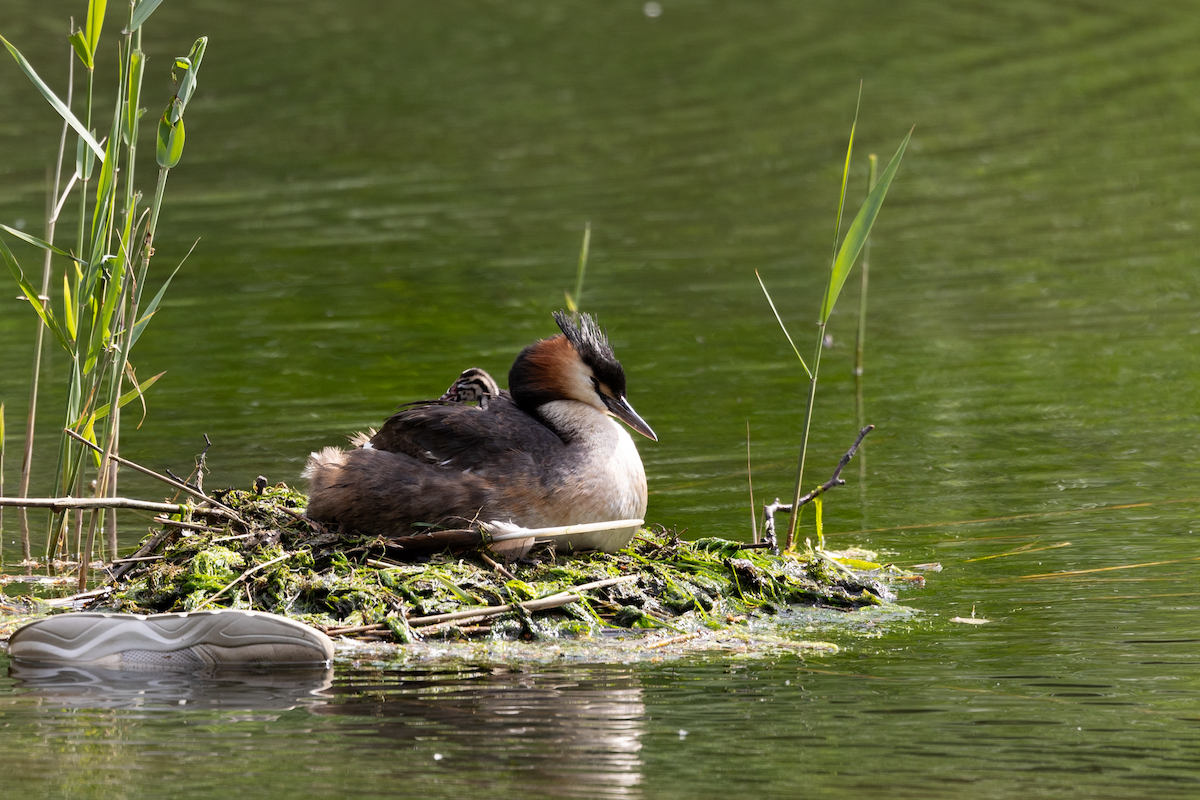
{"points": [[52, 98], [103, 210], [191, 66], [152, 306], [36, 242], [102, 332], [141, 13], [33, 297], [837, 228], [137, 66], [89, 433], [859, 230], [127, 398], [69, 309], [781, 325], [1, 482], [79, 42], [818, 506], [577, 299], [95, 22]]}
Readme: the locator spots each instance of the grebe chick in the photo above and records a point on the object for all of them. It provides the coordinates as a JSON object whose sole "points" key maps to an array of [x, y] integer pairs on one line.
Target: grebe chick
{"points": [[546, 453], [474, 385]]}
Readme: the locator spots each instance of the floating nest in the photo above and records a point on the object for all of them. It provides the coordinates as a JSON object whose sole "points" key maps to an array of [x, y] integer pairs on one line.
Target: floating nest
{"points": [[271, 558]]}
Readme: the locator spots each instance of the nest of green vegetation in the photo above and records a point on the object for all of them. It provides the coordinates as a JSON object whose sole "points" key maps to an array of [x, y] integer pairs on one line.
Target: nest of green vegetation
{"points": [[274, 559]]}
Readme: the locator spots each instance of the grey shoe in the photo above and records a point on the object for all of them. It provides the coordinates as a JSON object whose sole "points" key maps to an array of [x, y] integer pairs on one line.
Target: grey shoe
{"points": [[177, 642]]}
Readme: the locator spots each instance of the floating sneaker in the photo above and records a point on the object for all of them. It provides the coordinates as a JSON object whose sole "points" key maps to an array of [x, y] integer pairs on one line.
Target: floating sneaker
{"points": [[185, 642]]}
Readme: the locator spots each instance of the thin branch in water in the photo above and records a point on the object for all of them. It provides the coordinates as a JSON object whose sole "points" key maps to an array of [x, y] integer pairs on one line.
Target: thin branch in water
{"points": [[835, 480]]}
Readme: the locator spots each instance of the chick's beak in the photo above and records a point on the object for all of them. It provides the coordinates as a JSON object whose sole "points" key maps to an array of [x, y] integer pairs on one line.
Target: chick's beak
{"points": [[619, 407]]}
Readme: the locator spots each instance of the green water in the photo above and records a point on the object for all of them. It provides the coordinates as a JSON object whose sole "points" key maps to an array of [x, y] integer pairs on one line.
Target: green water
{"points": [[388, 192]]}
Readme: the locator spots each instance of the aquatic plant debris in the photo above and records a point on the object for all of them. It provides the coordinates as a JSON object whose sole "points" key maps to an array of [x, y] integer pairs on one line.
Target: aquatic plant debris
{"points": [[662, 592]]}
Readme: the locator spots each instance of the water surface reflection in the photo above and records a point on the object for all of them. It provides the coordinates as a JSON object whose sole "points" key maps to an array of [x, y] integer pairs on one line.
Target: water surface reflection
{"points": [[91, 687], [570, 733]]}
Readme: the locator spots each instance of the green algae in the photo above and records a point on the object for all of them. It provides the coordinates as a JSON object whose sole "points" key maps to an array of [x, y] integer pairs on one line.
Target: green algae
{"points": [[355, 585]]}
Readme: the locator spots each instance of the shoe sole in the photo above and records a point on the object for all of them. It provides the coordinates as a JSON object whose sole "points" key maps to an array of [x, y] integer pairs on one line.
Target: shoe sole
{"points": [[188, 641]]}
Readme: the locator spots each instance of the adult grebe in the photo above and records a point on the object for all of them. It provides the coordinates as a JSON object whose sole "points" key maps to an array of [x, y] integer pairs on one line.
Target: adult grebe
{"points": [[546, 453]]}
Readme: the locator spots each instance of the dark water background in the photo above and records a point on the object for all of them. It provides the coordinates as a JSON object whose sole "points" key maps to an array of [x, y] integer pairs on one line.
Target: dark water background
{"points": [[388, 192]]}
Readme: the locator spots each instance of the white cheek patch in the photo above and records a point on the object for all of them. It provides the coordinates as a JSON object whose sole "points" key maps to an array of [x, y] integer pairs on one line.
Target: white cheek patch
{"points": [[580, 386]]}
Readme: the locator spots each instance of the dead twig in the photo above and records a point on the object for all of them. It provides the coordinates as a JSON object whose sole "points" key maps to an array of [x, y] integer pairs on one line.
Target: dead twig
{"points": [[834, 481], [187, 526], [553, 601], [145, 550], [675, 640], [173, 482], [76, 599], [497, 566]]}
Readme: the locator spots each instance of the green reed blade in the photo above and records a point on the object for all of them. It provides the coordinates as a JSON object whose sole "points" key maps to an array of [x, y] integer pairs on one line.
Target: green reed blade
{"points": [[68, 309], [95, 22], [141, 13], [191, 66], [102, 329], [79, 41], [52, 98], [104, 190], [137, 66], [574, 302], [152, 306], [781, 325], [36, 242], [859, 230], [32, 296], [837, 228], [127, 398]]}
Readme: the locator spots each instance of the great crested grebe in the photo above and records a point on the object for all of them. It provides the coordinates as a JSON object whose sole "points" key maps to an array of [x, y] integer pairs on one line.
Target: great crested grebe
{"points": [[545, 453]]}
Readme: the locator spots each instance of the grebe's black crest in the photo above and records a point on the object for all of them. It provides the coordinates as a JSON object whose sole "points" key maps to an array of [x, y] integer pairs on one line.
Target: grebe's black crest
{"points": [[537, 375], [587, 338], [591, 342]]}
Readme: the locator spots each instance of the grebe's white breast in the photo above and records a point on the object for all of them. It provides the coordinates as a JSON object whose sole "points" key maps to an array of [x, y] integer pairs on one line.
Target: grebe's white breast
{"points": [[601, 476]]}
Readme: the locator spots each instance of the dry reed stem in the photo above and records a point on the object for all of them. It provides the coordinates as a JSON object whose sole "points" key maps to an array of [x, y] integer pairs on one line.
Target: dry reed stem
{"points": [[551, 601], [64, 503], [1020, 551]]}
